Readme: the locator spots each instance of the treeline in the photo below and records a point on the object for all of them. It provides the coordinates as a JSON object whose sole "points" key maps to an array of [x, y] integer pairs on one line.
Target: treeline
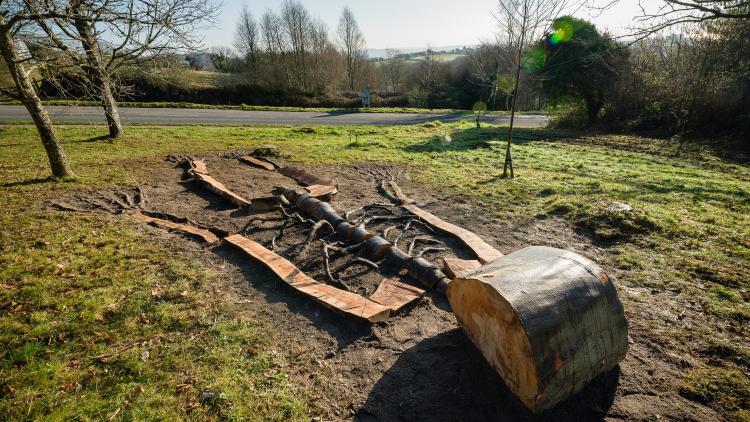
{"points": [[696, 79]]}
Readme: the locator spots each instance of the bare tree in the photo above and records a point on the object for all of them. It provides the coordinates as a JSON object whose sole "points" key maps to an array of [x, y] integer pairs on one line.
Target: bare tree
{"points": [[323, 57], [657, 16], [353, 46], [521, 23], [222, 59], [247, 37], [297, 24], [276, 45], [139, 30], [14, 19], [394, 68]]}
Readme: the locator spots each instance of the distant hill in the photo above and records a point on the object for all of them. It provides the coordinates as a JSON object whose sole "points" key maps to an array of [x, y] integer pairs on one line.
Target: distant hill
{"points": [[447, 55], [380, 53]]}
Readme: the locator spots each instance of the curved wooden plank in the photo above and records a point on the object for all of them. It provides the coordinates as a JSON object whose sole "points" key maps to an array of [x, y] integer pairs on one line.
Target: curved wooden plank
{"points": [[395, 295], [206, 235], [319, 191], [340, 300], [455, 268], [257, 163], [481, 249]]}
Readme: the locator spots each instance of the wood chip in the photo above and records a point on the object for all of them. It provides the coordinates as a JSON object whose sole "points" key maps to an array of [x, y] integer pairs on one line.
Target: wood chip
{"points": [[257, 163], [337, 299], [206, 235], [458, 268], [395, 295]]}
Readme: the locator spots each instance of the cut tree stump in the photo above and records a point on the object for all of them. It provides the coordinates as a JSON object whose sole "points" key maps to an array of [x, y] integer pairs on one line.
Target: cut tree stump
{"points": [[257, 163], [304, 178], [454, 267], [481, 249], [340, 300], [206, 235], [548, 320], [395, 295]]}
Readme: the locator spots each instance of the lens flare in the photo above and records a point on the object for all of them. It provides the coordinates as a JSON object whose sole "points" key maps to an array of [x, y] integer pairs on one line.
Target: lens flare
{"points": [[564, 29], [533, 59]]}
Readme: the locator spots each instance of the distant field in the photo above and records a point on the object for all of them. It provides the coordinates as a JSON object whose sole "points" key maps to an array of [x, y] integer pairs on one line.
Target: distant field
{"points": [[440, 57]]}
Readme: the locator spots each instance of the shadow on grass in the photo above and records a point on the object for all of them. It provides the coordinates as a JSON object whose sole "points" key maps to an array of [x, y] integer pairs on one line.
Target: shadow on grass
{"points": [[28, 182], [378, 120], [480, 138], [343, 328], [446, 378]]}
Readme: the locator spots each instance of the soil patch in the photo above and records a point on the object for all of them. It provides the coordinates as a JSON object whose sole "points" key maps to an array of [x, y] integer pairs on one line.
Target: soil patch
{"points": [[418, 365]]}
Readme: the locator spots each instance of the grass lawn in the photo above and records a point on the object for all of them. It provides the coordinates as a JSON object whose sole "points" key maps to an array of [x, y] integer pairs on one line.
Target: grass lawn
{"points": [[95, 320]]}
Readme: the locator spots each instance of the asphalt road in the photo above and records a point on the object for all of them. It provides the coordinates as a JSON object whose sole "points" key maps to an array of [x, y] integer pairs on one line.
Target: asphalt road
{"points": [[178, 116]]}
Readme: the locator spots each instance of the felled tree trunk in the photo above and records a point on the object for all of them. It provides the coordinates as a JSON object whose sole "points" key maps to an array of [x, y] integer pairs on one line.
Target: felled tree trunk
{"points": [[374, 247], [27, 95], [548, 320]]}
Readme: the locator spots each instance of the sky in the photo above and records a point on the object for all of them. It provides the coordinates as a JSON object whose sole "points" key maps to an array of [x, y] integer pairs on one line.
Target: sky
{"points": [[410, 23]]}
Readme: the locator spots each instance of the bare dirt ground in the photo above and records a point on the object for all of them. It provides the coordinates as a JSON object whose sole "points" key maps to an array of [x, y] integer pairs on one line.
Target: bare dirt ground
{"points": [[418, 365]]}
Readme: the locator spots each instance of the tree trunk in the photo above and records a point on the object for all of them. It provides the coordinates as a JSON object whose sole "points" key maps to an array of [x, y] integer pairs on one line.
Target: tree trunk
{"points": [[28, 97], [548, 320], [508, 155], [110, 110], [593, 106], [99, 76]]}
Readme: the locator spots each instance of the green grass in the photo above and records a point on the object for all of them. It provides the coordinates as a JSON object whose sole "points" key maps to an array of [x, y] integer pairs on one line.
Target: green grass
{"points": [[685, 243]]}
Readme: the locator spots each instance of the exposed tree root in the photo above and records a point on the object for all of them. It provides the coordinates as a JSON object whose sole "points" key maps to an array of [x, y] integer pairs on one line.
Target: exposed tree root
{"points": [[247, 226], [403, 232], [420, 239], [327, 268], [388, 230], [317, 226], [358, 261], [428, 250], [65, 207], [141, 197], [384, 218], [184, 220]]}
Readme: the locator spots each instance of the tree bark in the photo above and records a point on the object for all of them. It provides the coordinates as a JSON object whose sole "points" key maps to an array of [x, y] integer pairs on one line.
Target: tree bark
{"points": [[99, 76], [28, 97], [111, 111], [508, 155], [548, 320]]}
